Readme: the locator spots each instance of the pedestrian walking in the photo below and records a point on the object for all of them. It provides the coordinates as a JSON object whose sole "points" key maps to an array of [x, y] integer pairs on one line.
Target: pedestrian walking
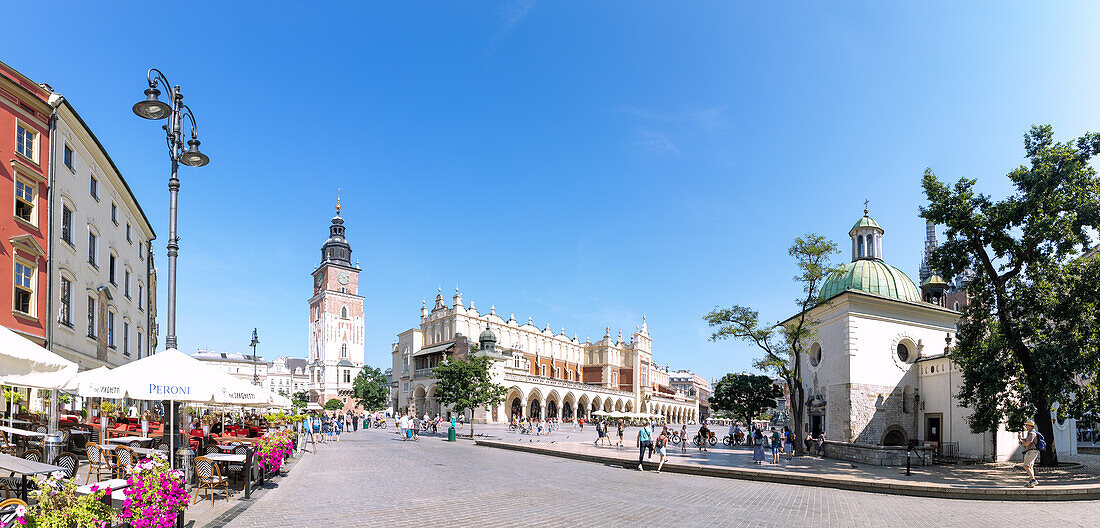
{"points": [[662, 446], [757, 446], [620, 428], [599, 434], [683, 438], [1032, 442], [704, 435], [821, 444], [788, 442], [308, 428], [416, 429], [403, 426], [644, 442], [775, 445]]}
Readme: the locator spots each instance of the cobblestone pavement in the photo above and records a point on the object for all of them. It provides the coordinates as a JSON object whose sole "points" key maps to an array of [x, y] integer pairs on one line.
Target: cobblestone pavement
{"points": [[372, 478]]}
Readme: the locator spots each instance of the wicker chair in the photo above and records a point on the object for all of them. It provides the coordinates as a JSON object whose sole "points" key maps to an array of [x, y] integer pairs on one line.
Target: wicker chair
{"points": [[7, 511], [125, 458], [69, 462], [135, 443], [210, 478], [163, 446], [34, 455], [238, 467], [98, 463], [5, 447], [36, 442], [213, 449]]}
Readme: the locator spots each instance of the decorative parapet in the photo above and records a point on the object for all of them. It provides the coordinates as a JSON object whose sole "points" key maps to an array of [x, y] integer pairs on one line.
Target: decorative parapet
{"points": [[423, 373], [526, 378]]}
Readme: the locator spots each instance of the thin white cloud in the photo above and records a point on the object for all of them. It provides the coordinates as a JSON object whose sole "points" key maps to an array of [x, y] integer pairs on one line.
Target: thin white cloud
{"points": [[656, 142], [512, 15]]}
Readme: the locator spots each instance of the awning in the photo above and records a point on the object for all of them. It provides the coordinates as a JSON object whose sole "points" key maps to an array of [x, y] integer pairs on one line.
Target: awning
{"points": [[26, 364], [434, 349]]}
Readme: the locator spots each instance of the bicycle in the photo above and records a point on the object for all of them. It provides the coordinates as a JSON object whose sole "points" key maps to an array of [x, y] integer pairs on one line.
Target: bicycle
{"points": [[711, 440], [379, 424], [675, 438]]}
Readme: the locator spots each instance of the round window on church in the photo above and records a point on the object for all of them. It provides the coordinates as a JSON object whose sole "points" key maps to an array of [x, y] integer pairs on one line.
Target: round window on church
{"points": [[815, 354], [903, 353]]}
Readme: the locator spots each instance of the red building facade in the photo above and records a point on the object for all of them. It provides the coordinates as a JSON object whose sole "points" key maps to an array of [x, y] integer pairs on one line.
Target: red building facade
{"points": [[25, 154]]}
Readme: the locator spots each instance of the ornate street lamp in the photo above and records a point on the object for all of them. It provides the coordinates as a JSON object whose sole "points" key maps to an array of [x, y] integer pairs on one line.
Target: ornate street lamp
{"points": [[255, 341], [175, 112]]}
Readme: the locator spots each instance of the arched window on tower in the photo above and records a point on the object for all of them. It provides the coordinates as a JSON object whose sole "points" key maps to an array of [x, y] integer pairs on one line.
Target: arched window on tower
{"points": [[859, 243], [344, 312], [344, 351], [870, 246]]}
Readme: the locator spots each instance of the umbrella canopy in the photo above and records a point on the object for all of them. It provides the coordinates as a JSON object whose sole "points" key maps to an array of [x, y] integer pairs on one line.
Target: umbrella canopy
{"points": [[168, 375], [26, 364], [617, 414], [599, 413], [95, 384], [314, 406]]}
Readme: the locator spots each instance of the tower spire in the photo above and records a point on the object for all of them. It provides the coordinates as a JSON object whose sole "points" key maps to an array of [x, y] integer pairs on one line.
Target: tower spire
{"points": [[338, 190]]}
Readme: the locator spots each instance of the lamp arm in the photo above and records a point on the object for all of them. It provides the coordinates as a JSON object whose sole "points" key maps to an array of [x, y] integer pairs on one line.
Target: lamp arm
{"points": [[186, 111], [158, 78]]}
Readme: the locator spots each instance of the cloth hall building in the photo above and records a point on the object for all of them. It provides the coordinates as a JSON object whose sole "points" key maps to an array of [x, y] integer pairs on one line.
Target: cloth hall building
{"points": [[547, 375]]}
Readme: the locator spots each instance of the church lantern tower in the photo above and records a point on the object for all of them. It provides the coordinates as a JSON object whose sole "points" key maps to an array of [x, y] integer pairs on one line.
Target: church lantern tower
{"points": [[335, 320]]}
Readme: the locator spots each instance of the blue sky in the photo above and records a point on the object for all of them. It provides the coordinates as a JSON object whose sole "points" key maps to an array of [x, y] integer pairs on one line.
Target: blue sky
{"points": [[579, 163]]}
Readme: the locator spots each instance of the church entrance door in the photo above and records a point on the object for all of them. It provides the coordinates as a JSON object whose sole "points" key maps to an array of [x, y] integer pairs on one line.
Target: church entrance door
{"points": [[817, 424], [932, 428]]}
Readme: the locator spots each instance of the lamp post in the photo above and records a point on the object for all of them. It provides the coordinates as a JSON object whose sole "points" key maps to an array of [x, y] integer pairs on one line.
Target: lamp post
{"points": [[175, 112], [255, 341]]}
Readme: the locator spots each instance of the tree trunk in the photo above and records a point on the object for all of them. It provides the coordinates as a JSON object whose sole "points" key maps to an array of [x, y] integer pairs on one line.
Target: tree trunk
{"points": [[797, 410], [1039, 398], [471, 424]]}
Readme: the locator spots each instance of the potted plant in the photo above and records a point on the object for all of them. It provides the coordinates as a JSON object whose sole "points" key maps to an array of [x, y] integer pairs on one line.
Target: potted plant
{"points": [[156, 495], [207, 420], [106, 409], [58, 505]]}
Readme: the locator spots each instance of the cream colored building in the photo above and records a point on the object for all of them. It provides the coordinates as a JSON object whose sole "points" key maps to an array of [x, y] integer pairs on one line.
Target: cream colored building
{"points": [[879, 373], [547, 374], [281, 376], [102, 291]]}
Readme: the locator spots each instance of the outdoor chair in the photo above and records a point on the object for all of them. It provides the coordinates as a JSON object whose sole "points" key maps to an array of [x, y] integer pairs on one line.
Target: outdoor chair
{"points": [[124, 461], [213, 449], [238, 467], [209, 478], [135, 443], [163, 446], [34, 455], [98, 464], [69, 462], [5, 447], [37, 441], [7, 512]]}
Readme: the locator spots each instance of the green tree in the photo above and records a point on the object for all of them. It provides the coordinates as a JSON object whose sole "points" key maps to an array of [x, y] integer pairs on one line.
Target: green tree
{"points": [[1024, 341], [784, 344], [300, 399], [334, 404], [466, 383], [744, 396], [371, 389]]}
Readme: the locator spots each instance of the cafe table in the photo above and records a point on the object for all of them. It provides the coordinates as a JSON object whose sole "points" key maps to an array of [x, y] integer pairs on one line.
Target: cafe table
{"points": [[23, 433], [143, 451], [239, 459], [128, 439], [25, 468]]}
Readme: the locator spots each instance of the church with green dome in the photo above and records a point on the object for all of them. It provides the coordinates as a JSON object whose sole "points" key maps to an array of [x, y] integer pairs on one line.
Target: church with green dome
{"points": [[878, 375]]}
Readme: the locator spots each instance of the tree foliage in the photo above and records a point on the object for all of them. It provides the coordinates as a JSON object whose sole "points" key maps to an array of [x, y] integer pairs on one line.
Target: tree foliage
{"points": [[467, 384], [745, 397], [371, 389], [1030, 326], [784, 344], [300, 399], [334, 404]]}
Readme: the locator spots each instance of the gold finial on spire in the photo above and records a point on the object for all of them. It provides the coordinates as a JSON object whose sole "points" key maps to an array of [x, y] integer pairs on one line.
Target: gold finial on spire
{"points": [[338, 200], [865, 209]]}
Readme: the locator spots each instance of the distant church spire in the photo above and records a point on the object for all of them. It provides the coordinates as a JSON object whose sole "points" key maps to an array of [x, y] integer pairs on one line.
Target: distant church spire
{"points": [[930, 244], [336, 250]]}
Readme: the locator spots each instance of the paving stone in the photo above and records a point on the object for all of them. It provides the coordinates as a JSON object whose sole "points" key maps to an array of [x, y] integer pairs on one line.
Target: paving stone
{"points": [[372, 478]]}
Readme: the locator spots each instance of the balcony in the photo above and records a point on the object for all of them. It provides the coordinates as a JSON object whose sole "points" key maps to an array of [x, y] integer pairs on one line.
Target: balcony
{"points": [[423, 373]]}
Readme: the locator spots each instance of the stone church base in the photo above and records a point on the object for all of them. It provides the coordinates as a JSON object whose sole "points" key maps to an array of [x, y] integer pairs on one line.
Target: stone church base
{"points": [[877, 455]]}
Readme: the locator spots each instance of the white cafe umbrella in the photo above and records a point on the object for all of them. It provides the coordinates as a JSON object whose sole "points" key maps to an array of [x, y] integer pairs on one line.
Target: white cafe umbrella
{"points": [[599, 413], [169, 375], [94, 384], [26, 364]]}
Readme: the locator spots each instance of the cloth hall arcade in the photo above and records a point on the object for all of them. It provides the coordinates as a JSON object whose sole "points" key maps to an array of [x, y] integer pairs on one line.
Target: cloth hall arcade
{"points": [[547, 374]]}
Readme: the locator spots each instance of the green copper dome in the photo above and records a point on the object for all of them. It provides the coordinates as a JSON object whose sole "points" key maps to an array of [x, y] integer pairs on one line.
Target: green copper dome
{"points": [[866, 221], [934, 280], [871, 276]]}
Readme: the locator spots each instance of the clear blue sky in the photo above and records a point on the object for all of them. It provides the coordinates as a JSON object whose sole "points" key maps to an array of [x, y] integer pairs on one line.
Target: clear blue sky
{"points": [[580, 163]]}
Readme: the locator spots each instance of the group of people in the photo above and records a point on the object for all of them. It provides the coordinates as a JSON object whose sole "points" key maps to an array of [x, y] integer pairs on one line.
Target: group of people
{"points": [[536, 426], [325, 427], [409, 426]]}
